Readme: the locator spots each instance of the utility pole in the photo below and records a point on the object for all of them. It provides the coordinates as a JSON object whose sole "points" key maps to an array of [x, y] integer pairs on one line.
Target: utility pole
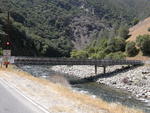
{"points": [[8, 31], [7, 43]]}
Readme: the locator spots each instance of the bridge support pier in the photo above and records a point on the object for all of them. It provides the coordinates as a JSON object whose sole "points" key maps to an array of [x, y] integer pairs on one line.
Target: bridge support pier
{"points": [[104, 71], [95, 69]]}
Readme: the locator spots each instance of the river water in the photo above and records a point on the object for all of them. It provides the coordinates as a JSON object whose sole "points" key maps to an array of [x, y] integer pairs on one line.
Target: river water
{"points": [[91, 88]]}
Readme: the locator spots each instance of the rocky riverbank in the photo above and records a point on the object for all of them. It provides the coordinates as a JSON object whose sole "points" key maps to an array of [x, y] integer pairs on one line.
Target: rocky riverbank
{"points": [[135, 80], [82, 71]]}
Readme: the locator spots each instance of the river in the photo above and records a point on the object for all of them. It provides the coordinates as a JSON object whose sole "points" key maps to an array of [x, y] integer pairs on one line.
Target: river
{"points": [[94, 89]]}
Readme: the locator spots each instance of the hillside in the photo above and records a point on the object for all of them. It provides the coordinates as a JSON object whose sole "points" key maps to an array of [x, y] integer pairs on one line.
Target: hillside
{"points": [[140, 29], [55, 27]]}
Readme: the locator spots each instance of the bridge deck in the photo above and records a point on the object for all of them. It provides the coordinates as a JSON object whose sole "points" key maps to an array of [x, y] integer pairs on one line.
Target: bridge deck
{"points": [[65, 61]]}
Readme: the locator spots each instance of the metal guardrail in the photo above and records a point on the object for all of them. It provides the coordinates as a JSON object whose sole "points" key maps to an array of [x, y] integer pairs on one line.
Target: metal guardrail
{"points": [[68, 61]]}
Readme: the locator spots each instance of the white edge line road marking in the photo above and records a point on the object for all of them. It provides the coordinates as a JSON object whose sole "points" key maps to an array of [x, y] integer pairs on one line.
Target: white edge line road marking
{"points": [[41, 107]]}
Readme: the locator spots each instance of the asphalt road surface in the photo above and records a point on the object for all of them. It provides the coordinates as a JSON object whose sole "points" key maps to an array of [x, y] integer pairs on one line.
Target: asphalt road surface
{"points": [[12, 102]]}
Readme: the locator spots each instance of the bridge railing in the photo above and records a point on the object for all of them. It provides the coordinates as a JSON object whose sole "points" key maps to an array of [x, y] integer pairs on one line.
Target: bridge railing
{"points": [[69, 61]]}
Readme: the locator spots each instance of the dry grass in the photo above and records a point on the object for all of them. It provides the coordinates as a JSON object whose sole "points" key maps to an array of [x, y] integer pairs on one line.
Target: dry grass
{"points": [[139, 29], [135, 31], [83, 99], [143, 58], [61, 109], [59, 79]]}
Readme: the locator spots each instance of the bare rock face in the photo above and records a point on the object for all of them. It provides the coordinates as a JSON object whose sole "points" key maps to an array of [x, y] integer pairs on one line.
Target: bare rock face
{"points": [[84, 29]]}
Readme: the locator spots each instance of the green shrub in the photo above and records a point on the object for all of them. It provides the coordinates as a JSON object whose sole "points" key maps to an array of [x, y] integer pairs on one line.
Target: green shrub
{"points": [[115, 56], [93, 56], [91, 50], [123, 32], [144, 43], [131, 50], [115, 45], [79, 54], [135, 21], [99, 55]]}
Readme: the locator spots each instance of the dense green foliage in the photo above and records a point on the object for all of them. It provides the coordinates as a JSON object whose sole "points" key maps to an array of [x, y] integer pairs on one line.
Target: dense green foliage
{"points": [[2, 34], [123, 32], [131, 49], [116, 56], [79, 54], [26, 42], [144, 43], [135, 21], [47, 27], [103, 49], [116, 44], [97, 49], [43, 23], [122, 10]]}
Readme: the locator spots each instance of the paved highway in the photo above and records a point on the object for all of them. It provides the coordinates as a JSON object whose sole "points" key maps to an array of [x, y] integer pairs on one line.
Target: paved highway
{"points": [[12, 102]]}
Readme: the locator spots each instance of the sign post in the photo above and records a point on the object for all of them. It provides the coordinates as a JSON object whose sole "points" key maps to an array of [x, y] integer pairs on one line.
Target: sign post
{"points": [[6, 57]]}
